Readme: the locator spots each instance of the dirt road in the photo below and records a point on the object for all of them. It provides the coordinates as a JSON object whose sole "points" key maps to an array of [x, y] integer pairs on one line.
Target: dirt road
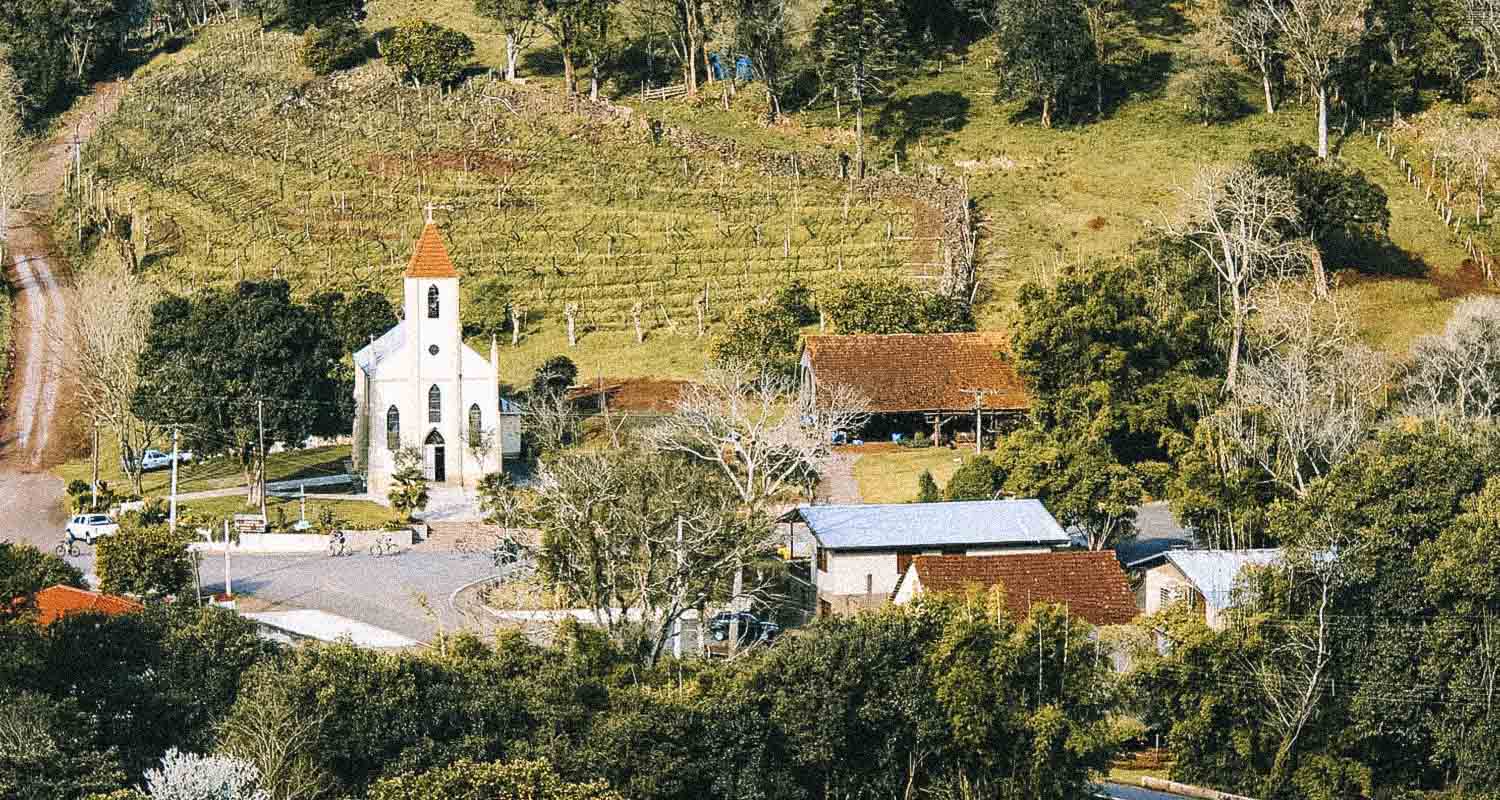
{"points": [[38, 412]]}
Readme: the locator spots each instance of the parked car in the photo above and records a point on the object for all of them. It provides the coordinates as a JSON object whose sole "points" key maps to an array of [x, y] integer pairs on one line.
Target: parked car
{"points": [[89, 527], [752, 629], [156, 459]]}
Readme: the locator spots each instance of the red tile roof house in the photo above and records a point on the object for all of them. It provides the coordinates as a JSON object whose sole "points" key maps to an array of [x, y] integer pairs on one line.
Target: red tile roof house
{"points": [[1090, 584], [55, 602], [920, 380]]}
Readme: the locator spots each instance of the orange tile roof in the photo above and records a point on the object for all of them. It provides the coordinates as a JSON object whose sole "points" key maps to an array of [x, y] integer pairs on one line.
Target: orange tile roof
{"points": [[1090, 584], [908, 372], [430, 258], [55, 602]]}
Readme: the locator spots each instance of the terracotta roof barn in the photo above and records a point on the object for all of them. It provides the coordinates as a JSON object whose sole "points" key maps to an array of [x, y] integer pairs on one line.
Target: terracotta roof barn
{"points": [[1089, 583], [55, 602], [430, 258], [915, 372]]}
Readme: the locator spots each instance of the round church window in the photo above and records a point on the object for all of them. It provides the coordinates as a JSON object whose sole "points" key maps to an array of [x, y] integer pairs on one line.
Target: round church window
{"points": [[433, 349]]}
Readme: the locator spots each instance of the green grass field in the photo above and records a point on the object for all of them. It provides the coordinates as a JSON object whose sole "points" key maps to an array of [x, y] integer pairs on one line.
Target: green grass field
{"points": [[244, 165], [219, 473], [889, 475]]}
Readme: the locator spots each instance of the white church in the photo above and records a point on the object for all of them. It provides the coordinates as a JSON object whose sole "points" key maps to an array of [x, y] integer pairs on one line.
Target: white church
{"points": [[420, 386]]}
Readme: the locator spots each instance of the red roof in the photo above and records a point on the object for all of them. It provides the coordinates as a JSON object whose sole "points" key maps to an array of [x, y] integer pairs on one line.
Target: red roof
{"points": [[1090, 583], [430, 258], [55, 602], [908, 372]]}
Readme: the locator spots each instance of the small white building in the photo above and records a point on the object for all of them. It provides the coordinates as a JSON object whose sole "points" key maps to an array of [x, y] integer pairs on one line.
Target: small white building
{"points": [[420, 386], [859, 552], [1204, 579]]}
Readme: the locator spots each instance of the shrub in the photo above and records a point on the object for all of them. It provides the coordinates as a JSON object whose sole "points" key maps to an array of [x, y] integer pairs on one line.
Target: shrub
{"points": [[299, 15], [428, 53], [1210, 94], [927, 488], [762, 336], [147, 561], [339, 45], [888, 305], [554, 376], [977, 479]]}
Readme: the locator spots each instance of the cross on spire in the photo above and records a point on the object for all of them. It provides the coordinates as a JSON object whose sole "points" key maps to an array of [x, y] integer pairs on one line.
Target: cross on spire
{"points": [[431, 207]]}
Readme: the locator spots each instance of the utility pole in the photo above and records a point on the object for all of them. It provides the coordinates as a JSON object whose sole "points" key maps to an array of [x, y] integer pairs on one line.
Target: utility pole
{"points": [[979, 395], [260, 406], [677, 624], [228, 587], [172, 509], [94, 486]]}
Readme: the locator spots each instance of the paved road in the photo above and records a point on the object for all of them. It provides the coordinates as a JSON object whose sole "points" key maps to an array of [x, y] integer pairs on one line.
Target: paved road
{"points": [[384, 592], [1117, 791]]}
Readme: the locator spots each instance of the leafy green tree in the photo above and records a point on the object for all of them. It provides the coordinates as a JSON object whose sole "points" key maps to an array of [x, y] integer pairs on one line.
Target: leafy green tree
{"points": [[463, 779], [299, 15], [429, 53], [886, 305], [555, 376], [408, 493], [57, 46], [976, 479], [927, 488], [762, 31], [350, 322], [218, 362], [1210, 94], [576, 26], [858, 47], [24, 571], [337, 45], [487, 312], [146, 561], [1077, 479], [49, 750], [1336, 205], [1045, 52], [762, 337]]}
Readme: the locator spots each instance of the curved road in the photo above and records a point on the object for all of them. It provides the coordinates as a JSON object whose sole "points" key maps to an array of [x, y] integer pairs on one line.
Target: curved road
{"points": [[37, 412]]}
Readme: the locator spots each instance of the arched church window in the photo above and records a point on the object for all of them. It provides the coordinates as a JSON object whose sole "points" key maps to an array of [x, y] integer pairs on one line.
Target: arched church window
{"points": [[476, 435], [432, 302], [434, 404], [392, 429]]}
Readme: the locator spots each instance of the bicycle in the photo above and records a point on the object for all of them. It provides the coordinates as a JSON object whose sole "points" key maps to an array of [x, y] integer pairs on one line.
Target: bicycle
{"points": [[384, 546], [67, 547], [337, 545]]}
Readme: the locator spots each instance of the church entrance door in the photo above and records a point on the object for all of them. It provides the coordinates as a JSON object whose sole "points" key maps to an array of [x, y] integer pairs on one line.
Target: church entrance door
{"points": [[434, 458]]}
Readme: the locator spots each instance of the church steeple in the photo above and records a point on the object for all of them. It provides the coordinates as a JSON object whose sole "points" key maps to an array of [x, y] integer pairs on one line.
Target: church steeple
{"points": [[430, 258]]}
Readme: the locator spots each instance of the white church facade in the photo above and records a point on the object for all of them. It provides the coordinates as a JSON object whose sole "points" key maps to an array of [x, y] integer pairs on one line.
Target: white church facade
{"points": [[419, 386]]}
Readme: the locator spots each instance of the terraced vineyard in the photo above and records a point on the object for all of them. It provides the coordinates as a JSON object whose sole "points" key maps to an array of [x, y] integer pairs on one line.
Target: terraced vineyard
{"points": [[233, 162]]}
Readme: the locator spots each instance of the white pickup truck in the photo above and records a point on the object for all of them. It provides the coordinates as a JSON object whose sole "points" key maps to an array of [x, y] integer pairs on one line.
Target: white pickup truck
{"points": [[156, 459], [87, 528]]}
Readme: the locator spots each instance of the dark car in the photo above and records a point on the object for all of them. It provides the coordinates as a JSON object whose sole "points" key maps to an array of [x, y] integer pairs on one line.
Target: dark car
{"points": [[752, 629]]}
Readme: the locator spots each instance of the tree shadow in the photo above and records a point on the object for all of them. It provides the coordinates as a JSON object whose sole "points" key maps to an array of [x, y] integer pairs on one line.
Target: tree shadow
{"points": [[910, 119], [1143, 79], [543, 61], [1163, 18]]}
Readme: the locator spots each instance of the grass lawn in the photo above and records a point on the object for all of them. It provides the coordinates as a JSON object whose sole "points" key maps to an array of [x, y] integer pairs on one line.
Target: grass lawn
{"points": [[220, 473], [608, 353], [358, 514], [889, 474]]}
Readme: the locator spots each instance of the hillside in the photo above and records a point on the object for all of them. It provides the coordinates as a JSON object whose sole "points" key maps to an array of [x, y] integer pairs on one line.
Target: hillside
{"points": [[235, 162]]}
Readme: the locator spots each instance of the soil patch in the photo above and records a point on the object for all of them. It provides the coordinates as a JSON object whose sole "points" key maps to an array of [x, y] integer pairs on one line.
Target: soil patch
{"points": [[390, 165], [632, 394]]}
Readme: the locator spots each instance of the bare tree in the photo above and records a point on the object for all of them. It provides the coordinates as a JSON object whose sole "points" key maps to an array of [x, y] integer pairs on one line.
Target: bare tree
{"points": [[13, 148], [1456, 375], [1238, 219], [1483, 23], [755, 430], [1251, 33], [641, 538], [1318, 35], [550, 420], [1310, 393], [106, 344]]}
